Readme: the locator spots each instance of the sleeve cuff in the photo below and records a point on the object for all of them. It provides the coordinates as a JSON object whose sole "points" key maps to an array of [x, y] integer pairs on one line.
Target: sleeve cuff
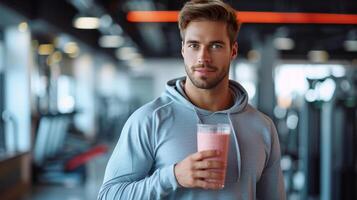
{"points": [[168, 179]]}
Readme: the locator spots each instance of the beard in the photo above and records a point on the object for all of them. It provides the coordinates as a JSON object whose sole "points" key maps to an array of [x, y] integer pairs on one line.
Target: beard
{"points": [[206, 82]]}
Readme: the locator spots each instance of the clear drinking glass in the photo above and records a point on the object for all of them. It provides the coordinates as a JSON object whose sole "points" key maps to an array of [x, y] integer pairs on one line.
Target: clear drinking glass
{"points": [[214, 137]]}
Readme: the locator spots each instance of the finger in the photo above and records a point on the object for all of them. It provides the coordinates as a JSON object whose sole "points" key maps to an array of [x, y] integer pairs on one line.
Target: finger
{"points": [[207, 174], [209, 164], [205, 154], [207, 185]]}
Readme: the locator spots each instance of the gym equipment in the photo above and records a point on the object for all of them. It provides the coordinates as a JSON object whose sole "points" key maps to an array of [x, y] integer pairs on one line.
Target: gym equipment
{"points": [[59, 156], [327, 142]]}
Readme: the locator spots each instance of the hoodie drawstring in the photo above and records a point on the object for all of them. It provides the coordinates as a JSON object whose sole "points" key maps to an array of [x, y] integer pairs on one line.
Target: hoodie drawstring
{"points": [[237, 147]]}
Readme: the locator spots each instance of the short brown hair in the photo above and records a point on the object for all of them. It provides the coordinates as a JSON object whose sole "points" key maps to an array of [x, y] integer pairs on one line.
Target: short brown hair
{"points": [[213, 10]]}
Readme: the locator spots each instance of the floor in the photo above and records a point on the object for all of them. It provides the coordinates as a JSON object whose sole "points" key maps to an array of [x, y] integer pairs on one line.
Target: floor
{"points": [[86, 191]]}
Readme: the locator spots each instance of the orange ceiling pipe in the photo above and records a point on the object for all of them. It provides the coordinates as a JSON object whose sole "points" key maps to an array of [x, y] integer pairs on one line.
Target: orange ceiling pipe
{"points": [[152, 16], [253, 17]]}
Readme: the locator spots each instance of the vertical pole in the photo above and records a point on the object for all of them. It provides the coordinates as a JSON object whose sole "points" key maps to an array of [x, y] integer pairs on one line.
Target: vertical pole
{"points": [[326, 151], [266, 91]]}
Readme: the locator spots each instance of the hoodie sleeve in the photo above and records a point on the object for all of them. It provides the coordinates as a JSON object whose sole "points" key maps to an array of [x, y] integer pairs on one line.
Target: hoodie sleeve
{"points": [[271, 183], [129, 173]]}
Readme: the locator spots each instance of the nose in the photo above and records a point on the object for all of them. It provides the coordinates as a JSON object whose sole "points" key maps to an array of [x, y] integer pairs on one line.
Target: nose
{"points": [[204, 56]]}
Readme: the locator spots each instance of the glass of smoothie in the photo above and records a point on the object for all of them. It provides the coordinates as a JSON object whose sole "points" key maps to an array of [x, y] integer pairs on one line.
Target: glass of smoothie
{"points": [[214, 137]]}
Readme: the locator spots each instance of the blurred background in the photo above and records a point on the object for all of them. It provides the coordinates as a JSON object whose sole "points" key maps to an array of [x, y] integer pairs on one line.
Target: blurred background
{"points": [[72, 72]]}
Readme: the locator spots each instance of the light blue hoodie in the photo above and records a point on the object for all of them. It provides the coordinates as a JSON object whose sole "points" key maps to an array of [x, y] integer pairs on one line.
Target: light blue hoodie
{"points": [[163, 132]]}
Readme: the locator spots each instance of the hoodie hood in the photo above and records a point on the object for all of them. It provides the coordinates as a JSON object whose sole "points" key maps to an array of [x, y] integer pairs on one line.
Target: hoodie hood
{"points": [[175, 92]]}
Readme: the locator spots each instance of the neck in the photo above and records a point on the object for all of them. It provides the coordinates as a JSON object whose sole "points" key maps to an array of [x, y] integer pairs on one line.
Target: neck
{"points": [[215, 99]]}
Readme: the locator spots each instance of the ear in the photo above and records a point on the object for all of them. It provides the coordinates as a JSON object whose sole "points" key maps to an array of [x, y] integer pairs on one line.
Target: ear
{"points": [[182, 50], [234, 51]]}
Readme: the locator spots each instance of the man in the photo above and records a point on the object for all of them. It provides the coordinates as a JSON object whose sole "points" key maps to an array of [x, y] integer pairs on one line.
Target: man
{"points": [[156, 156]]}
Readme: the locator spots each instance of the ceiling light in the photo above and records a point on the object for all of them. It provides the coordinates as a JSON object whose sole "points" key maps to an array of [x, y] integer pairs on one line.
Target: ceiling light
{"points": [[253, 55], [86, 23], [23, 27], [127, 53], [72, 49], [56, 57], [45, 49], [136, 62], [284, 43], [74, 55], [318, 56], [350, 45], [111, 41]]}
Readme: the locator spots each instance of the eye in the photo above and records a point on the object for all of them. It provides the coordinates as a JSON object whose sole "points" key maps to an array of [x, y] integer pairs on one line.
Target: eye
{"points": [[216, 46], [193, 46]]}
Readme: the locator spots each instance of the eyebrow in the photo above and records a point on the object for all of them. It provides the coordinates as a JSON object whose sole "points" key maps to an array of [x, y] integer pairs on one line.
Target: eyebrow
{"points": [[218, 41], [212, 42], [192, 41]]}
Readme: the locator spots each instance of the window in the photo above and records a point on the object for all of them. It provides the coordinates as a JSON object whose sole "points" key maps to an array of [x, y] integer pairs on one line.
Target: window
{"points": [[2, 97]]}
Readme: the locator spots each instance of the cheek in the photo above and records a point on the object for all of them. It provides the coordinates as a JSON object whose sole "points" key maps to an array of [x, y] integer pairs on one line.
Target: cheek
{"points": [[189, 58], [220, 58]]}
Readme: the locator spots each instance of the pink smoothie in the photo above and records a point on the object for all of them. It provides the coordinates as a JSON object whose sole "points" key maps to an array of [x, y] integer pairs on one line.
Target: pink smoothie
{"points": [[211, 141]]}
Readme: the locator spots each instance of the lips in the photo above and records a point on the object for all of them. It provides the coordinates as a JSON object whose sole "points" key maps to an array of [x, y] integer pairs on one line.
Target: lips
{"points": [[204, 70]]}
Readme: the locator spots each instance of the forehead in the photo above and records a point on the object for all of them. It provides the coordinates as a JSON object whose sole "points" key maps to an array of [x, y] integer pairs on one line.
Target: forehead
{"points": [[206, 31]]}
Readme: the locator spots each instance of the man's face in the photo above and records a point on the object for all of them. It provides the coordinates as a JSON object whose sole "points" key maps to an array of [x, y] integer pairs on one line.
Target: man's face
{"points": [[207, 53]]}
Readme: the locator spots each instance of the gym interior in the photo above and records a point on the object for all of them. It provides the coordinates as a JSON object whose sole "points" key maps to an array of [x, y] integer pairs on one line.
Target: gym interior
{"points": [[72, 72]]}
